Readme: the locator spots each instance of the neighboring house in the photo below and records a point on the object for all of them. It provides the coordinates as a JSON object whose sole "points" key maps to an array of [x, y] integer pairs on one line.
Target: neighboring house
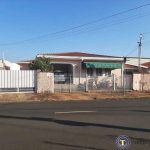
{"points": [[24, 64], [81, 64], [132, 65], [147, 64], [1, 64], [132, 68], [135, 60], [6, 65]]}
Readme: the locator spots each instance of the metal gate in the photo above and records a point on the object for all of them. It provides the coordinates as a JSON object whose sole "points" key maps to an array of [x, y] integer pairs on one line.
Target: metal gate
{"points": [[71, 84], [98, 83], [18, 80]]}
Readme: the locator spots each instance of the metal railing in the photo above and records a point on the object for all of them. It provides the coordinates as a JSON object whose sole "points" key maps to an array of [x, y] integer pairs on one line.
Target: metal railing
{"points": [[86, 83]]}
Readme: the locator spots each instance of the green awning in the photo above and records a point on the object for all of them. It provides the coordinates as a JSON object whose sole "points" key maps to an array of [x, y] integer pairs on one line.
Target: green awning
{"points": [[101, 65]]}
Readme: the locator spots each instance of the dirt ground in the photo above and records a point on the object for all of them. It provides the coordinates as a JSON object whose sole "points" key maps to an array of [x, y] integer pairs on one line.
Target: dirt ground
{"points": [[18, 97]]}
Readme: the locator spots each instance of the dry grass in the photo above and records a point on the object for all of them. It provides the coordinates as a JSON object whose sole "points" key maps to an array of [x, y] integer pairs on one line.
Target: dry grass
{"points": [[13, 97]]}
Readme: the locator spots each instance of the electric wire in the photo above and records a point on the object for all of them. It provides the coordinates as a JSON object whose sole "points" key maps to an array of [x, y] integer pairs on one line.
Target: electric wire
{"points": [[54, 37], [132, 51], [146, 33], [77, 26]]}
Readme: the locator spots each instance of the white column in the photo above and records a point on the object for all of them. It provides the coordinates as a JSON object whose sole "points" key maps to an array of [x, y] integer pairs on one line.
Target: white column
{"points": [[73, 66], [94, 72], [80, 71], [114, 82], [103, 72]]}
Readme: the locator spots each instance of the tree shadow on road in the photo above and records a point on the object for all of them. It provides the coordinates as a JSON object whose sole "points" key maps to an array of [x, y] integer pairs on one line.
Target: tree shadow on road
{"points": [[76, 123]]}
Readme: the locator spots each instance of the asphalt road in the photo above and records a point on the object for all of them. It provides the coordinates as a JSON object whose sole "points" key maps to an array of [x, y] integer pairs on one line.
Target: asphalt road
{"points": [[74, 125]]}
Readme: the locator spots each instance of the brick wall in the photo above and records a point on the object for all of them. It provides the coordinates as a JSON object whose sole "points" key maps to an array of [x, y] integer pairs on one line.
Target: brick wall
{"points": [[45, 82]]}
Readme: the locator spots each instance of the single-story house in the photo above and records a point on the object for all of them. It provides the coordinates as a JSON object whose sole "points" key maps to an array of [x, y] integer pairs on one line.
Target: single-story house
{"points": [[147, 64], [132, 68], [132, 65], [6, 65], [80, 64]]}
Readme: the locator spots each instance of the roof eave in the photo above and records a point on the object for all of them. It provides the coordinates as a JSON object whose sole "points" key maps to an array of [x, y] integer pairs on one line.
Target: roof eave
{"points": [[81, 58], [136, 65]]}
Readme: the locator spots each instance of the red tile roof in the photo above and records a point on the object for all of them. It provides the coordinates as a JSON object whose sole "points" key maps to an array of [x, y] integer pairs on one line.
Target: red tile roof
{"points": [[76, 54], [71, 54], [146, 64]]}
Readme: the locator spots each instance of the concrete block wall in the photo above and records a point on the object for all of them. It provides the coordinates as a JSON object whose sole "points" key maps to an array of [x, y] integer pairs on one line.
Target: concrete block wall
{"points": [[141, 82], [145, 79], [45, 82], [136, 81]]}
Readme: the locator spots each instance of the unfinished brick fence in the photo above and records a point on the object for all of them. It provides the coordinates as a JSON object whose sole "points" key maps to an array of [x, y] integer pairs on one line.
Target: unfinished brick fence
{"points": [[141, 82], [45, 82]]}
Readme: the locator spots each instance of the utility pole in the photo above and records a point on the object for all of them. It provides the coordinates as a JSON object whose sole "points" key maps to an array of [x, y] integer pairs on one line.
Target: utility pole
{"points": [[139, 65], [139, 55]]}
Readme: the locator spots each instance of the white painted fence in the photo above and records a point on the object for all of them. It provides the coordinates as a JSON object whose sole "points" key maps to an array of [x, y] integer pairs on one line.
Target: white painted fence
{"points": [[17, 80]]}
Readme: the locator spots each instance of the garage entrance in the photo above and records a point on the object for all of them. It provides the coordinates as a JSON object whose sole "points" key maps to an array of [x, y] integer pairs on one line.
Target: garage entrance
{"points": [[66, 68], [63, 77]]}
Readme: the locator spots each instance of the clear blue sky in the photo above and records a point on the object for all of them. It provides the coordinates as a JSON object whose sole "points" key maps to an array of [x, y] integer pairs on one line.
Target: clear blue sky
{"points": [[27, 19]]}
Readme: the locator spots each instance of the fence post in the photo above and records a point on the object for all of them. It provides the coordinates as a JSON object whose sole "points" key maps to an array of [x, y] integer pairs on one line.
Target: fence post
{"points": [[18, 82], [86, 89], [131, 82], [124, 83], [70, 84], [114, 82]]}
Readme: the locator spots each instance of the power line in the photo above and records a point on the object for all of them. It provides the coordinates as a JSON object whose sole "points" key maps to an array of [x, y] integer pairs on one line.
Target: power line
{"points": [[102, 25], [146, 42], [28, 40], [79, 32], [146, 45], [54, 38], [137, 47], [70, 34], [146, 33], [132, 51]]}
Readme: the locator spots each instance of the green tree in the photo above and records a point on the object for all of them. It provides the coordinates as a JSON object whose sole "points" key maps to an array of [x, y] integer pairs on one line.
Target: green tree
{"points": [[41, 63]]}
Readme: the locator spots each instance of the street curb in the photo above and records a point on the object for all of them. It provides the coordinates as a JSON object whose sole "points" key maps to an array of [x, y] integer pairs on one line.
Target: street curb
{"points": [[96, 99]]}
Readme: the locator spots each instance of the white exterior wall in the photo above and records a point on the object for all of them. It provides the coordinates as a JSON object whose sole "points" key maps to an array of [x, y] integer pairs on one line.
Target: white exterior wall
{"points": [[11, 66], [17, 78], [134, 61], [1, 64], [14, 66]]}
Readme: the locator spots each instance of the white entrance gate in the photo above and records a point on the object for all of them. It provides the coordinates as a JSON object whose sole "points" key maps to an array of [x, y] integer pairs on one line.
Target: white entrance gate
{"points": [[18, 80]]}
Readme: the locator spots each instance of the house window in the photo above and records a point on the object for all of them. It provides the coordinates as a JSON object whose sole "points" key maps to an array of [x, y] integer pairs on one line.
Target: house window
{"points": [[90, 71], [107, 72], [98, 71]]}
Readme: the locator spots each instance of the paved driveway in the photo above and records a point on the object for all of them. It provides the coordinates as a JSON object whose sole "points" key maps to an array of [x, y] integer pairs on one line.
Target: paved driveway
{"points": [[74, 125]]}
